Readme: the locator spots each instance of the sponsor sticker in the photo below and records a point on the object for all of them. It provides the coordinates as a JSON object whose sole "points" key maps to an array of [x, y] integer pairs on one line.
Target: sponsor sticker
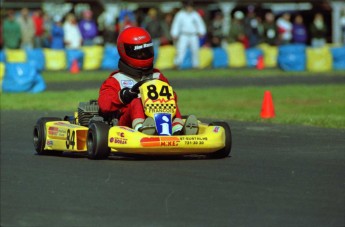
{"points": [[121, 134], [53, 131], [127, 83], [145, 45], [118, 140], [140, 37], [170, 141], [163, 124], [50, 143], [216, 129]]}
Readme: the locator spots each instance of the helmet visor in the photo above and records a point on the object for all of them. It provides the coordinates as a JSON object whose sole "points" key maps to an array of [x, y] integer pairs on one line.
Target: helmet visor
{"points": [[139, 51]]}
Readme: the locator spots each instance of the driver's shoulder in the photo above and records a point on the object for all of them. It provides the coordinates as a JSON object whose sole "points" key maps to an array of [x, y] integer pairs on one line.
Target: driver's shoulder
{"points": [[157, 74], [121, 76]]}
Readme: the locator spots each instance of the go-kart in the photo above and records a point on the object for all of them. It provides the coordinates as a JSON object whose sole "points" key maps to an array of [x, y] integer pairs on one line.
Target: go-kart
{"points": [[99, 136]]}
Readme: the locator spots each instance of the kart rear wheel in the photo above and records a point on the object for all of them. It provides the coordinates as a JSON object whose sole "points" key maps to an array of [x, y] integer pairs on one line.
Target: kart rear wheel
{"points": [[97, 141], [40, 135], [225, 152]]}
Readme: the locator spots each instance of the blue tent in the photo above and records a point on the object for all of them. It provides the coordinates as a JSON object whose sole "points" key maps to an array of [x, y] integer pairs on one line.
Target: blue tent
{"points": [[22, 77]]}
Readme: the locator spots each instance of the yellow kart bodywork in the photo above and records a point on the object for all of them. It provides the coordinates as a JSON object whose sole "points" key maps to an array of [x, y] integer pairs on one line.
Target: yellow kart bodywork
{"points": [[126, 140], [64, 136]]}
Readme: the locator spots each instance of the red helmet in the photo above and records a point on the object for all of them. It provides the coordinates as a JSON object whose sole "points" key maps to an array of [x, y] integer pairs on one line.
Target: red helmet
{"points": [[135, 47]]}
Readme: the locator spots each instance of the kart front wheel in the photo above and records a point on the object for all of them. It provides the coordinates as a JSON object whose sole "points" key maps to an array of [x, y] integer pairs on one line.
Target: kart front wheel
{"points": [[40, 135], [225, 152], [97, 141]]}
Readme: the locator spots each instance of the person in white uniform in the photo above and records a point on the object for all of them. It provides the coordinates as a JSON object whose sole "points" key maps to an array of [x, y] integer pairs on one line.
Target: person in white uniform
{"points": [[187, 27], [72, 35]]}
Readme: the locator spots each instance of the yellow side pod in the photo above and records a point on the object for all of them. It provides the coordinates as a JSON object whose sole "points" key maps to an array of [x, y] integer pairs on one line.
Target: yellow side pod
{"points": [[62, 135]]}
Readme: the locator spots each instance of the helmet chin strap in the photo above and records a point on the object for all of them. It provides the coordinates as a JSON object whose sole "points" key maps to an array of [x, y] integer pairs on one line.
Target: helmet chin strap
{"points": [[134, 72]]}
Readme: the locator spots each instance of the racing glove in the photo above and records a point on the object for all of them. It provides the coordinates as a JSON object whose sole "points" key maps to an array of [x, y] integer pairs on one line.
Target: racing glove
{"points": [[127, 95]]}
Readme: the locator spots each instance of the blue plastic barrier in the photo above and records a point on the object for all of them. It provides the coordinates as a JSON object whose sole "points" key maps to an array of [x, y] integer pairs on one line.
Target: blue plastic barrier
{"points": [[2, 56], [22, 77], [220, 58], [252, 56], [74, 54], [187, 61], [110, 58], [36, 57], [292, 57], [338, 55]]}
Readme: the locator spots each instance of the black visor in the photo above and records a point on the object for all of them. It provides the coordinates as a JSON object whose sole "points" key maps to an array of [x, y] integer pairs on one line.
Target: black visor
{"points": [[139, 51]]}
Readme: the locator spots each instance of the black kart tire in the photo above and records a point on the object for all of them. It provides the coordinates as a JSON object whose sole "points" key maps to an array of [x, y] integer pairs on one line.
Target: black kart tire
{"points": [[40, 134], [224, 152], [97, 141]]}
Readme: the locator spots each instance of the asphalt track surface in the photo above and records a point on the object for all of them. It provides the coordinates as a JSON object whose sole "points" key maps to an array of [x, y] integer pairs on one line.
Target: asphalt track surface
{"points": [[218, 82], [277, 175]]}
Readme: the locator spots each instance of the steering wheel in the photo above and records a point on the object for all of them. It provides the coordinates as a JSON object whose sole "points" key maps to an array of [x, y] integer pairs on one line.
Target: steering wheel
{"points": [[135, 88]]}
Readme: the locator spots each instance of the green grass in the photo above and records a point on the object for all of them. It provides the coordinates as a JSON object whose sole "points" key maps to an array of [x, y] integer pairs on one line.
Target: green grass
{"points": [[314, 105], [58, 76], [321, 105], [49, 100]]}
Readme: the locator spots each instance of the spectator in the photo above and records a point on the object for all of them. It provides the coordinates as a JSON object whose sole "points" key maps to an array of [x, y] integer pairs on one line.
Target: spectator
{"points": [[270, 34], [1, 38], [284, 29], [57, 33], [216, 30], [166, 38], [88, 28], [318, 31], [48, 23], [342, 23], [252, 26], [154, 27], [187, 27], [38, 20], [202, 38], [299, 31], [126, 20], [27, 29], [237, 33], [11, 31], [106, 25], [72, 35]]}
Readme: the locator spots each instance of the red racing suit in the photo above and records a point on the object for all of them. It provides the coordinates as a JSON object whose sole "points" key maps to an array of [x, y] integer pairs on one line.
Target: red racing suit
{"points": [[132, 113]]}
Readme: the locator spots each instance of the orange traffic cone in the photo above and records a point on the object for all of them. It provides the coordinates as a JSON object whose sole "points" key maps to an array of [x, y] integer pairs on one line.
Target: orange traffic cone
{"points": [[74, 67], [260, 64], [267, 109]]}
